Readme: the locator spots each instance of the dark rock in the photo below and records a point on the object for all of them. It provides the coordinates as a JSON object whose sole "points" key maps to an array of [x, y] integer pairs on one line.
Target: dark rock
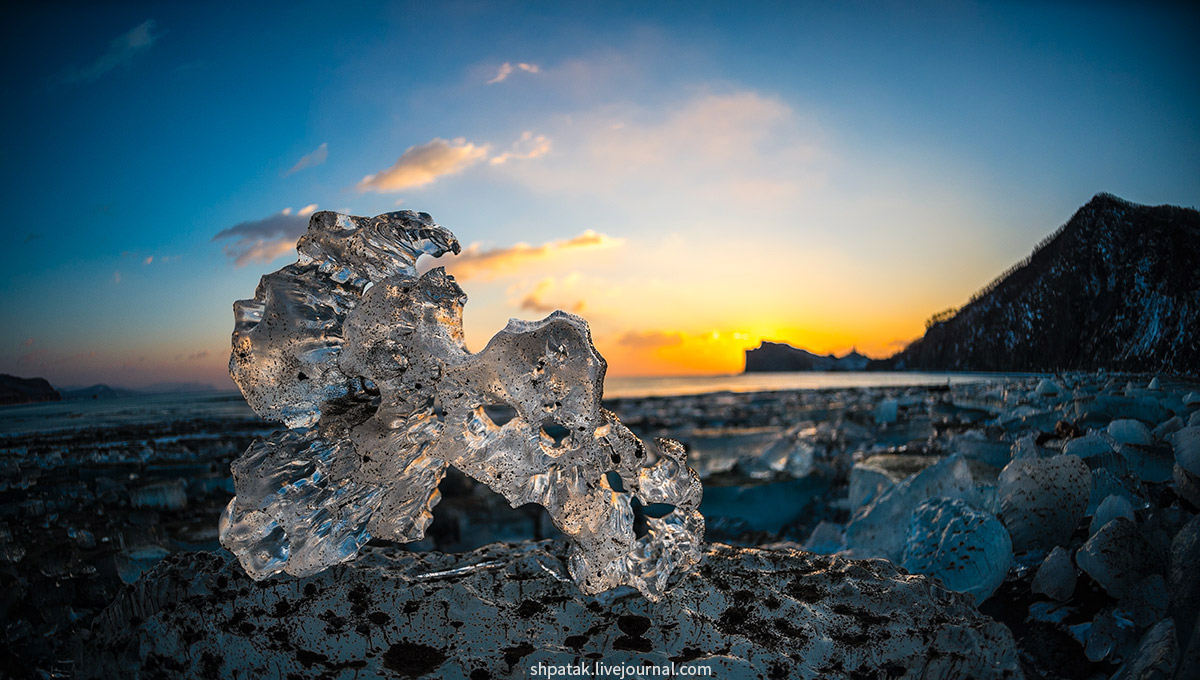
{"points": [[14, 390], [770, 357]]}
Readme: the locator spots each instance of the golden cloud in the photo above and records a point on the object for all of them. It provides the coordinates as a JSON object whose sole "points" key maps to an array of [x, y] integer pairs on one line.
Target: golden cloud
{"points": [[422, 164], [474, 261]]}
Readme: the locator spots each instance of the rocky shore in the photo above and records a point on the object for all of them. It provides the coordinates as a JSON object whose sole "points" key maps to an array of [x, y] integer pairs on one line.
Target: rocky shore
{"points": [[1062, 507]]}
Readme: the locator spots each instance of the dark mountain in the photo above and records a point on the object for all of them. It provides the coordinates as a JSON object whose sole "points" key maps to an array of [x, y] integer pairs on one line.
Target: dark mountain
{"points": [[1116, 287], [777, 357], [98, 391], [14, 390]]}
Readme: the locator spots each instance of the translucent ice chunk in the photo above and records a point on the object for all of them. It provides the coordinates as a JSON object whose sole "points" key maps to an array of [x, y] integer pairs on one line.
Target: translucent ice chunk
{"points": [[1156, 655], [1089, 445], [1129, 431], [887, 411], [1109, 509], [867, 483], [1056, 576], [366, 360], [1118, 557], [1043, 499], [1047, 388], [827, 538], [967, 548], [873, 529], [1187, 448]]}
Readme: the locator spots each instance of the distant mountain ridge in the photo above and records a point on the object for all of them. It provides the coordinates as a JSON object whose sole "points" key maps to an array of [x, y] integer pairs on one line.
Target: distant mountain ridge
{"points": [[1116, 287], [777, 357], [103, 391]]}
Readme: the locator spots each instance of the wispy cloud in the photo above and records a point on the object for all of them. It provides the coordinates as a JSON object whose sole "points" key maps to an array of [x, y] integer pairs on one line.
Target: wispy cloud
{"points": [[422, 164], [650, 339], [311, 159], [723, 150], [476, 262], [122, 50], [525, 148], [266, 239], [507, 68], [546, 297]]}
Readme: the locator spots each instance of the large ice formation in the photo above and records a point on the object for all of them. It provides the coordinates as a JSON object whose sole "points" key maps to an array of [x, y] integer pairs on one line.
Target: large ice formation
{"points": [[364, 359]]}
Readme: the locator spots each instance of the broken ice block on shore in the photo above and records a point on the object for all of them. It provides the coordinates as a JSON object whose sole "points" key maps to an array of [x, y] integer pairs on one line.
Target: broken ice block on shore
{"points": [[350, 346], [1043, 499], [1129, 431], [866, 484], [1109, 509], [873, 531], [1047, 388], [826, 539], [887, 411], [1118, 557], [1056, 576], [967, 548], [1187, 448], [1156, 655]]}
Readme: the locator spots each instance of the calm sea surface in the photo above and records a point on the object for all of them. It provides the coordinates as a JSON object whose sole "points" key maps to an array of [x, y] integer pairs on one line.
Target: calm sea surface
{"points": [[165, 408], [762, 382]]}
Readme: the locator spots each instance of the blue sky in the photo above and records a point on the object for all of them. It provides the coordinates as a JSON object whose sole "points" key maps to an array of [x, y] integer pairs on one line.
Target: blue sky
{"points": [[690, 177]]}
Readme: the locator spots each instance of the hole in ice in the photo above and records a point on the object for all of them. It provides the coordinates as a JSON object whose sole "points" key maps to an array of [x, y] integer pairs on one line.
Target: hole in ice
{"points": [[555, 432], [499, 414], [658, 510], [301, 376], [472, 515], [614, 481]]}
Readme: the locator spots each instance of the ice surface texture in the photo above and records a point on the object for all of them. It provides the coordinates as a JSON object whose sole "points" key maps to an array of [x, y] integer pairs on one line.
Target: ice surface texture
{"points": [[365, 361], [502, 610]]}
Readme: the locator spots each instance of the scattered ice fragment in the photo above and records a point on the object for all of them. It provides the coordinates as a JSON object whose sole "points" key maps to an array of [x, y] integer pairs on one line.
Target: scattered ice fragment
{"points": [[1117, 557], [1146, 602], [791, 453], [1186, 484], [1109, 509], [1156, 655], [1043, 499], [170, 495], [131, 564], [1110, 632], [866, 484], [967, 548], [887, 411], [1154, 384], [366, 361], [1055, 578], [1181, 573], [1047, 388], [873, 529], [1089, 445], [975, 444], [1129, 431], [1168, 427], [1187, 448], [1027, 447], [826, 539]]}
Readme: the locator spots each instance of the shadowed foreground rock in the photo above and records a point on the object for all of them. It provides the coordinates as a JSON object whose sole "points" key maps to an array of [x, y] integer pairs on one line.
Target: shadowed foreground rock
{"points": [[501, 610]]}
